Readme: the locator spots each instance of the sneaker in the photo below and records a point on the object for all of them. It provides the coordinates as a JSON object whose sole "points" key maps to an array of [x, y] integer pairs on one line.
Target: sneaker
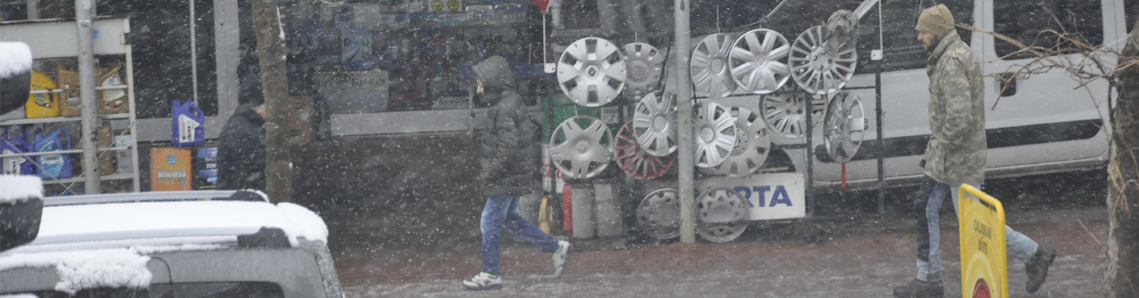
{"points": [[1037, 267], [920, 288], [561, 257], [483, 281]]}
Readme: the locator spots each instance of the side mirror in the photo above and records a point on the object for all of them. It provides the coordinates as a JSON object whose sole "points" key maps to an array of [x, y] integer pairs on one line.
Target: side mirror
{"points": [[21, 206]]}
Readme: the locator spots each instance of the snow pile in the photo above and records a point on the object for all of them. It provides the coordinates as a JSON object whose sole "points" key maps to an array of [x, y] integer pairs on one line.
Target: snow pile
{"points": [[303, 223], [15, 58], [19, 188], [79, 270], [19, 296]]}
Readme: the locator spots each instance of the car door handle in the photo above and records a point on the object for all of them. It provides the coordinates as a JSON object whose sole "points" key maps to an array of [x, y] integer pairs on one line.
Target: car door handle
{"points": [[1007, 82]]}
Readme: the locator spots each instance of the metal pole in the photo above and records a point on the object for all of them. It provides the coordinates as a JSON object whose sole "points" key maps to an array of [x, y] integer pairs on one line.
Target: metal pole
{"points": [[684, 125], [808, 105], [89, 122], [194, 52], [878, 119]]}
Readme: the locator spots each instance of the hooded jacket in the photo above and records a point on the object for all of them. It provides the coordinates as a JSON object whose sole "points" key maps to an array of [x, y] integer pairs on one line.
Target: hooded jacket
{"points": [[955, 153], [507, 147], [241, 151]]}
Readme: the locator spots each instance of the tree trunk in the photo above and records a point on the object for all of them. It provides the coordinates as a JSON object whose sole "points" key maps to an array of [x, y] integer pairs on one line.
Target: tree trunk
{"points": [[271, 55], [1121, 271]]}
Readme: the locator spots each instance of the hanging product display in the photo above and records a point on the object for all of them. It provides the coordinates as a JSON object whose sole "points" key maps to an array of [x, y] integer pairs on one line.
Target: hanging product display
{"points": [[53, 166], [591, 72], [721, 214], [785, 114], [16, 165], [654, 124], [709, 67], [817, 70], [758, 61], [752, 144], [643, 64], [42, 105], [187, 122], [581, 153], [844, 126], [634, 161], [658, 214], [715, 135]]}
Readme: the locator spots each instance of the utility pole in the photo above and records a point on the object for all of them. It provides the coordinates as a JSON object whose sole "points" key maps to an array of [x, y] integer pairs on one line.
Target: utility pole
{"points": [[271, 55], [84, 11], [685, 154]]}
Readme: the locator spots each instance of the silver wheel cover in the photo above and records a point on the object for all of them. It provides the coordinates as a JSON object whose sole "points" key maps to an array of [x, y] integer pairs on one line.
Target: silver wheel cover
{"points": [[643, 64], [815, 69], [845, 125], [584, 152], [785, 115], [658, 214], [715, 135], [721, 215], [709, 67], [591, 72], [751, 147], [758, 61], [654, 124]]}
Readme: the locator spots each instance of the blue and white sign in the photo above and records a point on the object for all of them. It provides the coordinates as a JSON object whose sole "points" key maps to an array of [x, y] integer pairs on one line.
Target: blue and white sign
{"points": [[769, 196]]}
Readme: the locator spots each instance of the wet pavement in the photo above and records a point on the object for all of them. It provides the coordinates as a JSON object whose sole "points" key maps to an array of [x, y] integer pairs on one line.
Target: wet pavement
{"points": [[862, 256]]}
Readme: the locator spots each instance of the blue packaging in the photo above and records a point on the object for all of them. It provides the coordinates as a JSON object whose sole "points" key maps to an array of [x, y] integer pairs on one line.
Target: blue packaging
{"points": [[16, 165], [186, 121], [53, 166]]}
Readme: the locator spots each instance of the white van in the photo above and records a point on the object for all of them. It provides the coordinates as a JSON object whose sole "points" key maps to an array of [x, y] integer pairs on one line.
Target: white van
{"points": [[1043, 123]]}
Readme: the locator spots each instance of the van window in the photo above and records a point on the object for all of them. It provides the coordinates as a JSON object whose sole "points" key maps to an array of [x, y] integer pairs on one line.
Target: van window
{"points": [[1029, 21], [1131, 9], [901, 48]]}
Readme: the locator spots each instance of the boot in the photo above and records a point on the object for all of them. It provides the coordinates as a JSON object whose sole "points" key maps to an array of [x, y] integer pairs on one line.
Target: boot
{"points": [[919, 288], [1037, 267]]}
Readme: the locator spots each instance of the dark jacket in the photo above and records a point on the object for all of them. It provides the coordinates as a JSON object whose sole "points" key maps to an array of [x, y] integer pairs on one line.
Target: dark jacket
{"points": [[956, 150], [241, 152], [508, 154]]}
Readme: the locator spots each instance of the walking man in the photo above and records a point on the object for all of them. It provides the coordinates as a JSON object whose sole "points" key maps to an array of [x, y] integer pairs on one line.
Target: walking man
{"points": [[509, 160], [241, 148], [955, 153]]}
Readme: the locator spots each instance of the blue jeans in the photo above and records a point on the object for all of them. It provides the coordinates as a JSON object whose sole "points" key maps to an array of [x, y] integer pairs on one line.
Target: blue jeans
{"points": [[503, 211], [927, 202]]}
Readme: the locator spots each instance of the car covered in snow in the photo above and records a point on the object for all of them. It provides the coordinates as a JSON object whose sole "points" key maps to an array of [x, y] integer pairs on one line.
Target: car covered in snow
{"points": [[172, 244]]}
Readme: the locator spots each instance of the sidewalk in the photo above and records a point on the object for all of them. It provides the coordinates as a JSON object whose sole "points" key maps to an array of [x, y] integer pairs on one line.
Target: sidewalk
{"points": [[862, 257]]}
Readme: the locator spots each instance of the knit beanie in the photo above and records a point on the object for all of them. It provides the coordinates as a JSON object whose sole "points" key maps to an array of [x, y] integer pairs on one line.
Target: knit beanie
{"points": [[935, 20]]}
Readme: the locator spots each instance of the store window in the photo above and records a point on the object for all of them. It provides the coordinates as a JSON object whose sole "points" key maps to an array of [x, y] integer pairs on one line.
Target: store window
{"points": [[1131, 11], [161, 39], [1029, 21], [373, 57], [901, 50]]}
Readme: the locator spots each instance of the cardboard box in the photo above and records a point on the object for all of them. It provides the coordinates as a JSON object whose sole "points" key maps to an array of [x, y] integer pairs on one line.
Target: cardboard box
{"points": [[169, 169]]}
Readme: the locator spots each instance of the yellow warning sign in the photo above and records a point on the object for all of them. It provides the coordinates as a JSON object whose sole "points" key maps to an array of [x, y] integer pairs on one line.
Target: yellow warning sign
{"points": [[984, 271], [454, 5], [437, 5]]}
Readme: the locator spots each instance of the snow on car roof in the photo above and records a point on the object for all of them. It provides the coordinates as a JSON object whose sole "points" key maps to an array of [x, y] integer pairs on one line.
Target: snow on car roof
{"points": [[107, 245], [16, 58], [88, 269], [18, 188], [149, 220]]}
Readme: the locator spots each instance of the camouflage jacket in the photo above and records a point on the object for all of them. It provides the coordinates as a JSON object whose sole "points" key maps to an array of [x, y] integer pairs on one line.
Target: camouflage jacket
{"points": [[955, 153]]}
